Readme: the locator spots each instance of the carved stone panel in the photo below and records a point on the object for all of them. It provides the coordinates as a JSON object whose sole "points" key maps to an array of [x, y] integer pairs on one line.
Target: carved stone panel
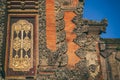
{"points": [[21, 50]]}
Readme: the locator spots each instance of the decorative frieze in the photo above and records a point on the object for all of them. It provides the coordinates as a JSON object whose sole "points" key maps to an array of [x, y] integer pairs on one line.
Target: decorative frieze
{"points": [[68, 5]]}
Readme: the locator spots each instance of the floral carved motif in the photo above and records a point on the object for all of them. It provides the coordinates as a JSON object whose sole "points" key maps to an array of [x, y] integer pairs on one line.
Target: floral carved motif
{"points": [[21, 54]]}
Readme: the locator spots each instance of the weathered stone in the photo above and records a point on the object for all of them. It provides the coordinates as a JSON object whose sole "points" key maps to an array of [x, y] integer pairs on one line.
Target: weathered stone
{"points": [[54, 64], [117, 56]]}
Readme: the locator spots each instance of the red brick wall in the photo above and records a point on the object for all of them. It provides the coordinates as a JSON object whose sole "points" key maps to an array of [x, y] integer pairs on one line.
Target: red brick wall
{"points": [[51, 31], [50, 25], [72, 47]]}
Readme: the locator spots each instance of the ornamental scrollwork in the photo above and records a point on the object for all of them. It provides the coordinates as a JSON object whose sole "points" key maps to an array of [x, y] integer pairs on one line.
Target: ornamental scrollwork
{"points": [[21, 51]]}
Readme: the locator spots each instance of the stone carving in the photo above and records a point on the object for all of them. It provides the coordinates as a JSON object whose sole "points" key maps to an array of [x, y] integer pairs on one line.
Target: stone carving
{"points": [[79, 9], [57, 56], [106, 53], [87, 49], [42, 31], [117, 56], [3, 23], [87, 43], [54, 63], [109, 50], [22, 6], [80, 72], [105, 49], [44, 51], [112, 65], [81, 53], [46, 57], [88, 67], [61, 36], [68, 5], [94, 70], [21, 52], [81, 40], [60, 24]]}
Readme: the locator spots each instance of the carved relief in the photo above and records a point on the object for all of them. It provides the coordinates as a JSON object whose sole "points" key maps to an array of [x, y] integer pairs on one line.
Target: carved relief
{"points": [[117, 56], [21, 54], [113, 66], [109, 49], [68, 4], [22, 6], [81, 53], [87, 51], [52, 57], [3, 23], [44, 53], [80, 72], [87, 42], [55, 59], [92, 64]]}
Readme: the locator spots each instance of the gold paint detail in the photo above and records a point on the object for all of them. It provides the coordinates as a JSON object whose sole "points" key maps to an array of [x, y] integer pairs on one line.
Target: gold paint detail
{"points": [[21, 51]]}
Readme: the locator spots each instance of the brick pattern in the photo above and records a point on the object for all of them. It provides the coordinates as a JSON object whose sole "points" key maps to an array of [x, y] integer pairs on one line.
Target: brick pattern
{"points": [[59, 46], [72, 47], [50, 25]]}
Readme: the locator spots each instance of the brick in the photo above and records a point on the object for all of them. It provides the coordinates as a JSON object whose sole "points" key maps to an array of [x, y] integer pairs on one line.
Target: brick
{"points": [[72, 47]]}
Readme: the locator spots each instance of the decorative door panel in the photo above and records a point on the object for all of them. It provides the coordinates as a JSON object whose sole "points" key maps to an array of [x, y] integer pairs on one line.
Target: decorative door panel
{"points": [[21, 52]]}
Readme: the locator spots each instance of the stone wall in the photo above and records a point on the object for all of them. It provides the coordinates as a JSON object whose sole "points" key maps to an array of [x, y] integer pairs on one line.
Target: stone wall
{"points": [[110, 60], [76, 40], [3, 24], [69, 46]]}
